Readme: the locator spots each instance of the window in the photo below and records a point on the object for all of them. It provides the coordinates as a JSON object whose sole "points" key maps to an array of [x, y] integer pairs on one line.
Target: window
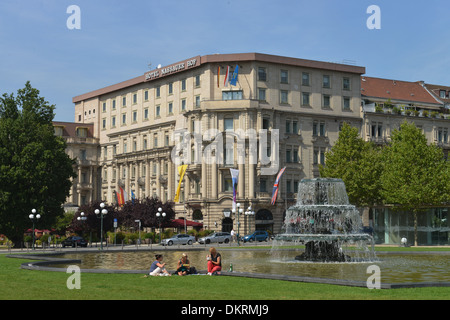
{"points": [[124, 101], [134, 98], [326, 81], [294, 127], [262, 75], [288, 126], [288, 186], [288, 156], [305, 79], [104, 106], [114, 104], [146, 114], [134, 145], [104, 123], [442, 94], [145, 145], [262, 185], [171, 88], [82, 132], [346, 103], [377, 130], [155, 140], [113, 121], [229, 154], [146, 95], [197, 81], [197, 101], [135, 116], [305, 99], [294, 156], [158, 92], [170, 108], [228, 124], [326, 101], [265, 123], [231, 95], [284, 94], [124, 119], [284, 76], [183, 105], [319, 156], [261, 94], [319, 128], [346, 83], [227, 184], [124, 149], [183, 85], [158, 111]]}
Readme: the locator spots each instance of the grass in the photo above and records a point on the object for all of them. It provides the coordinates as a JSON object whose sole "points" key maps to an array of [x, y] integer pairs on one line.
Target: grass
{"points": [[20, 284]]}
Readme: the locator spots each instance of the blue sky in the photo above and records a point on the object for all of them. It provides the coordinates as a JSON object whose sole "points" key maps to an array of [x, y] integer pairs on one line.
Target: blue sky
{"points": [[118, 39]]}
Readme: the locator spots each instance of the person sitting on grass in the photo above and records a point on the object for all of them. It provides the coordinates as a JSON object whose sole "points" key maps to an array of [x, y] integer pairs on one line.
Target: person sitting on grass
{"points": [[183, 266], [214, 262], [158, 267]]}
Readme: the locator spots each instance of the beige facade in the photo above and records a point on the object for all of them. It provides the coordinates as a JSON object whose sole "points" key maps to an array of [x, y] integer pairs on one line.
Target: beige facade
{"points": [[137, 122], [83, 147]]}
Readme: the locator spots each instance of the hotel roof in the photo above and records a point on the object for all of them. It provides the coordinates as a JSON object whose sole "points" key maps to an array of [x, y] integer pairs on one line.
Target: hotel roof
{"points": [[225, 58], [396, 90]]}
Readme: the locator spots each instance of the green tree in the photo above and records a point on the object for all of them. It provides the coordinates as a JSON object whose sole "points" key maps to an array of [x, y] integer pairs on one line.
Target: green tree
{"points": [[358, 164], [35, 171], [415, 174]]}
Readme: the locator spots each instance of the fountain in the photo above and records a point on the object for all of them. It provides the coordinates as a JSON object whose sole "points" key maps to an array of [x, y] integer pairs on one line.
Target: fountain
{"points": [[325, 222]]}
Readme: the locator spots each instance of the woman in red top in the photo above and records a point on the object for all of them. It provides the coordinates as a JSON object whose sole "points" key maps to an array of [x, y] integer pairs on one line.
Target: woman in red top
{"points": [[214, 261]]}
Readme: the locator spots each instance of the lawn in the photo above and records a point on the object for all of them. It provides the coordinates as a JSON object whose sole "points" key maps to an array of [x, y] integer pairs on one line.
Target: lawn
{"points": [[20, 284]]}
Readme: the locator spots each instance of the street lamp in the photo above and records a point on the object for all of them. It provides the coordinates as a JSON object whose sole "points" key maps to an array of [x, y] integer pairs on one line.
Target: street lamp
{"points": [[102, 212], [34, 217], [139, 221], [239, 212], [82, 217], [160, 215], [249, 213]]}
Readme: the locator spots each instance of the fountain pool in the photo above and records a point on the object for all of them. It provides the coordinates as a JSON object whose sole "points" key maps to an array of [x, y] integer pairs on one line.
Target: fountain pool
{"points": [[394, 267]]}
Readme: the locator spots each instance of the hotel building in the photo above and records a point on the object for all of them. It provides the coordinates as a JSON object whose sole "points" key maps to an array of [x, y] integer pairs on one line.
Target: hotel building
{"points": [[300, 103]]}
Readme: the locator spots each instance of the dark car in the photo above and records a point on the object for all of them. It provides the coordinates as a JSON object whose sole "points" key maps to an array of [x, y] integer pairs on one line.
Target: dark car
{"points": [[73, 242], [258, 235]]}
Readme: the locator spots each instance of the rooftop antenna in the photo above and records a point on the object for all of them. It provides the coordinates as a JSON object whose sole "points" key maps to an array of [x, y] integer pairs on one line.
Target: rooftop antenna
{"points": [[149, 66]]}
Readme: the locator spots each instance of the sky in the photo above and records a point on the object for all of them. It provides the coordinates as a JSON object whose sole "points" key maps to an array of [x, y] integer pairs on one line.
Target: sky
{"points": [[117, 40]]}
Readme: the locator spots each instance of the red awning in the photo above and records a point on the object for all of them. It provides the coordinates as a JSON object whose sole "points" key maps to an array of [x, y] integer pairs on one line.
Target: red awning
{"points": [[179, 223]]}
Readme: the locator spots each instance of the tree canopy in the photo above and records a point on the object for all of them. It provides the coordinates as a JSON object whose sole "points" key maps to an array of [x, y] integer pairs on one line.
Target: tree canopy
{"points": [[358, 164], [35, 171], [415, 174]]}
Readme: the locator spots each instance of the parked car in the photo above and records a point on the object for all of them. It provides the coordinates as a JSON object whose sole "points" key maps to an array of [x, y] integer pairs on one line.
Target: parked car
{"points": [[219, 237], [181, 238], [74, 241], [258, 235]]}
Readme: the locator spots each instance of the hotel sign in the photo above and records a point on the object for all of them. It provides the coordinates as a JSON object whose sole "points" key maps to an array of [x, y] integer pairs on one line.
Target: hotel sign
{"points": [[173, 68]]}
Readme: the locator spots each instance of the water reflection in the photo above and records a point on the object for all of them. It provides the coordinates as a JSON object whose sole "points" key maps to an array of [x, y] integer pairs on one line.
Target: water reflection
{"points": [[394, 268]]}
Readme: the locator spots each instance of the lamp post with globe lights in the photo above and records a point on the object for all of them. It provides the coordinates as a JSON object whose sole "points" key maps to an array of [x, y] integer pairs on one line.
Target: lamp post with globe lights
{"points": [[34, 217], [102, 212], [248, 214], [160, 216]]}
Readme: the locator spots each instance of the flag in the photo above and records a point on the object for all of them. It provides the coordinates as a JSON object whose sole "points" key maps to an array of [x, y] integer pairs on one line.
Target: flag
{"points": [[235, 179], [227, 74], [235, 76], [181, 171], [276, 185], [133, 197], [218, 76], [122, 198]]}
